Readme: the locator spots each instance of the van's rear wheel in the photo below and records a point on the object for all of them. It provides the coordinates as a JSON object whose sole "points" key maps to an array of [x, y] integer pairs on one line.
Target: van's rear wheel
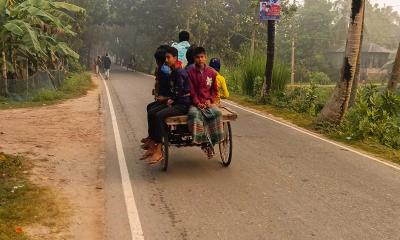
{"points": [[226, 146]]}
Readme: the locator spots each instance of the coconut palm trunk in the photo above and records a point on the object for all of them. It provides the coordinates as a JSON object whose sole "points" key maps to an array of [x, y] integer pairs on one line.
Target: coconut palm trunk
{"points": [[270, 60], [394, 80], [357, 79], [354, 88], [336, 108]]}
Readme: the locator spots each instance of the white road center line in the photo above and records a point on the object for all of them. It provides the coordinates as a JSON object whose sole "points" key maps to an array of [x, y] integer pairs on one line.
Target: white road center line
{"points": [[133, 215], [312, 135]]}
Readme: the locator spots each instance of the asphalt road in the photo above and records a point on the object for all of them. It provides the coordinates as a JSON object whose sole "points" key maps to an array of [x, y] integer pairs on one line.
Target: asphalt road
{"points": [[282, 184]]}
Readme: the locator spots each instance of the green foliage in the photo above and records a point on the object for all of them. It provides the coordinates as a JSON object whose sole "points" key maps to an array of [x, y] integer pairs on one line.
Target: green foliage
{"points": [[247, 76], [35, 31], [298, 99], [75, 66], [319, 78], [252, 74], [375, 115], [68, 7], [280, 77], [226, 27], [233, 78], [383, 25], [77, 84], [46, 95]]}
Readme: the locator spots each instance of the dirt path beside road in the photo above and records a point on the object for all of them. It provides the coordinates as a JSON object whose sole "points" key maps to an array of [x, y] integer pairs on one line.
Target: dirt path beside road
{"points": [[66, 144]]}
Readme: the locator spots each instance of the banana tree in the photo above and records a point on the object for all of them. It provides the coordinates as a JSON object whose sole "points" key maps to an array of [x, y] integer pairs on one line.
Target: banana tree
{"points": [[34, 30], [336, 108], [5, 5], [51, 22]]}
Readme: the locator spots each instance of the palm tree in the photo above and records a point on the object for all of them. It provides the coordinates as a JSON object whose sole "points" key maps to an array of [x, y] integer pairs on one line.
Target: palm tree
{"points": [[336, 108], [394, 80]]}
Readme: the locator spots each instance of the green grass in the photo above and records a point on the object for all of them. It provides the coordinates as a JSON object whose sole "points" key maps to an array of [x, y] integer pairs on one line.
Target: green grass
{"points": [[370, 146], [23, 203], [302, 120], [46, 95], [306, 121], [75, 85]]}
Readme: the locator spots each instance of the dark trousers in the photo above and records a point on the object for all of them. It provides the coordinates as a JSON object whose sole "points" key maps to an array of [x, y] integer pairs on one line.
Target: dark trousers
{"points": [[154, 105], [158, 120], [153, 108]]}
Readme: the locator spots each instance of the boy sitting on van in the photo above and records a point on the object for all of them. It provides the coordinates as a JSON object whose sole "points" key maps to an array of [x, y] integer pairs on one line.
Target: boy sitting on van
{"points": [[221, 81], [178, 104], [205, 119], [161, 91]]}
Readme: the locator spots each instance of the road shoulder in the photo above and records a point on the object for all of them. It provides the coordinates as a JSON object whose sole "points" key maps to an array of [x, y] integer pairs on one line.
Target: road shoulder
{"points": [[66, 143]]}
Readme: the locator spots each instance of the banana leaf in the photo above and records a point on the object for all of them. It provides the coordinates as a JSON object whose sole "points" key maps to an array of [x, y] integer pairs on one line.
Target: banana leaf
{"points": [[68, 7]]}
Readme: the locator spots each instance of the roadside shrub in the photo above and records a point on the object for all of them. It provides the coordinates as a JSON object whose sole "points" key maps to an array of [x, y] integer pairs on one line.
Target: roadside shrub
{"points": [[258, 84], [252, 70], [47, 95], [319, 78], [280, 77], [247, 77], [304, 99], [77, 83], [298, 99], [74, 85], [375, 115], [233, 78], [75, 66]]}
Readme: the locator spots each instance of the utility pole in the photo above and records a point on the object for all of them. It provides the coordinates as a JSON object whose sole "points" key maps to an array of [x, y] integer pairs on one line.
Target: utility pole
{"points": [[270, 60], [253, 43], [254, 34], [292, 78]]}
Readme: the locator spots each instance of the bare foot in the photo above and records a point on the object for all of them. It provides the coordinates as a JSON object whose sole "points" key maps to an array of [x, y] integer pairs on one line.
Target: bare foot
{"points": [[148, 154], [145, 140], [148, 145], [157, 156]]}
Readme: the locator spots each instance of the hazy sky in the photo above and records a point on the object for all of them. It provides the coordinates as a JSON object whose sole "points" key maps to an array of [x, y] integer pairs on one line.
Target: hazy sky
{"points": [[394, 3]]}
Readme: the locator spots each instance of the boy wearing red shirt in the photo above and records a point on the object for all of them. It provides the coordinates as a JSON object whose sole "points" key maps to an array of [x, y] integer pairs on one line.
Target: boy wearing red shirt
{"points": [[205, 119]]}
